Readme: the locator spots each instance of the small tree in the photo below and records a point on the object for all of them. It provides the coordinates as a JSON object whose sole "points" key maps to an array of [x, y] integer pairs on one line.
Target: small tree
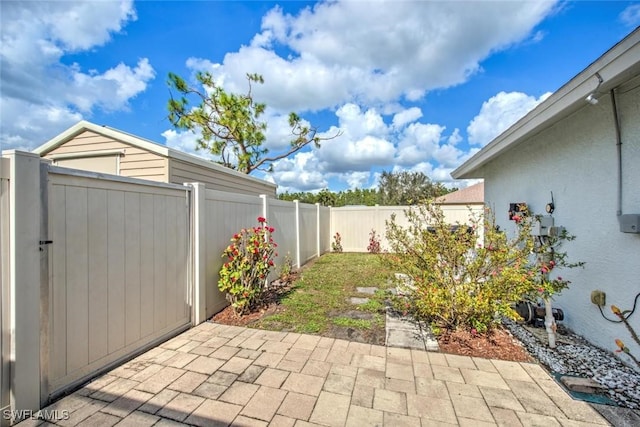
{"points": [[229, 125], [408, 188]]}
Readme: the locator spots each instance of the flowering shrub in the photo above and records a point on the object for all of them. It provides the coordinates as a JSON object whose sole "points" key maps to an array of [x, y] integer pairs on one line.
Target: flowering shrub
{"points": [[463, 282], [374, 243], [249, 261], [336, 245]]}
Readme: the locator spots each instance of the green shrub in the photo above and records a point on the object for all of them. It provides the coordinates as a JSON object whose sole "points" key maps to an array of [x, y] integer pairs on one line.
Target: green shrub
{"points": [[249, 261], [460, 281]]}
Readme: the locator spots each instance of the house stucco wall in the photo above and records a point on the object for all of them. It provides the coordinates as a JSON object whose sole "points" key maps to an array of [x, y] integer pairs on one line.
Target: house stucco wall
{"points": [[576, 159]]}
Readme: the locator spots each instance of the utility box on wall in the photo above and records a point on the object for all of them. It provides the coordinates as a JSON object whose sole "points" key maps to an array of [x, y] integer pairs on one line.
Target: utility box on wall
{"points": [[542, 226], [630, 223]]}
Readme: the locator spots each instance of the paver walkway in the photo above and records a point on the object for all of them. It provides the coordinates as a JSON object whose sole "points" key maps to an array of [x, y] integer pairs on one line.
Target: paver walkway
{"points": [[217, 375]]}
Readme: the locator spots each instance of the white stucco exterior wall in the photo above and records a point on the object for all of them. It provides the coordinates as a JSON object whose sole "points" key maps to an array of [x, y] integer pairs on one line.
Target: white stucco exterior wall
{"points": [[576, 159]]}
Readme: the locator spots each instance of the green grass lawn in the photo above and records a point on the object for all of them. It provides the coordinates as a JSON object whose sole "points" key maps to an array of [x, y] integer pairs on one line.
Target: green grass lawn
{"points": [[319, 299]]}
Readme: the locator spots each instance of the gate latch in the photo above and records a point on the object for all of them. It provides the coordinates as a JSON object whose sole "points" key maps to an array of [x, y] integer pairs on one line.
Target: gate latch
{"points": [[45, 242]]}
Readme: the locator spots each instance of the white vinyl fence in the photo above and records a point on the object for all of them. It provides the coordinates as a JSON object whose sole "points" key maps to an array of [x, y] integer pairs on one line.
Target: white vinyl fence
{"points": [[96, 268], [354, 223], [220, 215], [118, 268]]}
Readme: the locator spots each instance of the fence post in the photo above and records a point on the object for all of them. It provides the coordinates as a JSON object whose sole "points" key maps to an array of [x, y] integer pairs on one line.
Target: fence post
{"points": [[265, 206], [5, 167], [318, 230], [199, 253], [24, 283], [297, 205]]}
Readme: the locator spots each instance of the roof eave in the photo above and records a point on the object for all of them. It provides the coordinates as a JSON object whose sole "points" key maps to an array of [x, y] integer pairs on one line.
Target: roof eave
{"points": [[136, 141], [614, 66]]}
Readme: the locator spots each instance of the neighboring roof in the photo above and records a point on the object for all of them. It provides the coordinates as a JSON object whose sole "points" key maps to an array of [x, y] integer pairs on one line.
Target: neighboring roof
{"points": [[616, 66], [473, 194], [139, 142]]}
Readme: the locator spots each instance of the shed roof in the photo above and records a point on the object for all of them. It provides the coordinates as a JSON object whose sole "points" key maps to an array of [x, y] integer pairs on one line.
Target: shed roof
{"points": [[615, 66], [474, 194], [139, 142]]}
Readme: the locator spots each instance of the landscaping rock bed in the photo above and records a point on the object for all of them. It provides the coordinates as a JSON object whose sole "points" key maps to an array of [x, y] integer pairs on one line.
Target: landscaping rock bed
{"points": [[577, 357]]}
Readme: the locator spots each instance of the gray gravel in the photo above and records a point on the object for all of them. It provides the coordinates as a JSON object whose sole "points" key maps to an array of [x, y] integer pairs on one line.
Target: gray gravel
{"points": [[576, 356]]}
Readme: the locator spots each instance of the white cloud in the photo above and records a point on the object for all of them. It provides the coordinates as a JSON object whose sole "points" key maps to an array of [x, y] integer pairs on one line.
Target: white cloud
{"points": [[33, 128], [299, 173], [344, 51], [358, 125], [498, 113], [278, 134], [364, 62], [362, 143], [356, 179], [342, 154], [35, 83], [185, 141], [418, 143], [406, 116], [631, 15]]}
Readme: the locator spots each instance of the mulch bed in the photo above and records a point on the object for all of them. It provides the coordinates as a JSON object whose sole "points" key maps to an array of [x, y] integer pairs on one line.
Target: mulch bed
{"points": [[499, 344], [270, 305]]}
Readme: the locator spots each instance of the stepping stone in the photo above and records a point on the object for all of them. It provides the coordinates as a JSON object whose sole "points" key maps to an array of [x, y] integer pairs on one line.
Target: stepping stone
{"points": [[367, 290], [358, 301], [405, 332]]}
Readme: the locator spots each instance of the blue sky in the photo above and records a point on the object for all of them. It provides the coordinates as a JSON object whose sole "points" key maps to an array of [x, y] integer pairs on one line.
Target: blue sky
{"points": [[411, 85]]}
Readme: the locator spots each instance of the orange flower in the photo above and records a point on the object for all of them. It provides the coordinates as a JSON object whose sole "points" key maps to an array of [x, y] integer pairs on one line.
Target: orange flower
{"points": [[620, 345], [616, 310]]}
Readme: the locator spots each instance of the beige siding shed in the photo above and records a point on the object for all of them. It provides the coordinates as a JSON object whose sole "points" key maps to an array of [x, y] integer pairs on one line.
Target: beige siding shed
{"points": [[103, 149]]}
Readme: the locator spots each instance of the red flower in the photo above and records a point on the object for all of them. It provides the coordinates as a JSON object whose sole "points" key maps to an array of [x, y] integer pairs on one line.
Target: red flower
{"points": [[271, 229], [271, 263], [261, 220]]}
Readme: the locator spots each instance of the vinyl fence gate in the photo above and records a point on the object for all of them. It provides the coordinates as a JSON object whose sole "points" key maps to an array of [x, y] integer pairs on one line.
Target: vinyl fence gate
{"points": [[117, 260]]}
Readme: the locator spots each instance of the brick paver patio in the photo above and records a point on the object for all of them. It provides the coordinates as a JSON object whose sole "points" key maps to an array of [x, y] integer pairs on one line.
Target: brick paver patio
{"points": [[215, 375]]}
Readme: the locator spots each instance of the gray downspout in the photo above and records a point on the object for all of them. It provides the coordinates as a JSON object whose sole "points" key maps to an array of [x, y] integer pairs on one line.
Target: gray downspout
{"points": [[616, 120]]}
